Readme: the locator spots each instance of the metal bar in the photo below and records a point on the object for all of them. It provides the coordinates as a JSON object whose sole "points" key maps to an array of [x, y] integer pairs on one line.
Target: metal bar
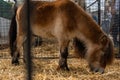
{"points": [[99, 12], [92, 4], [27, 45]]}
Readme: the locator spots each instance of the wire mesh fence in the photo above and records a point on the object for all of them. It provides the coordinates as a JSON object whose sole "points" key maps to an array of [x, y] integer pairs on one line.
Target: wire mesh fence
{"points": [[49, 47], [96, 8]]}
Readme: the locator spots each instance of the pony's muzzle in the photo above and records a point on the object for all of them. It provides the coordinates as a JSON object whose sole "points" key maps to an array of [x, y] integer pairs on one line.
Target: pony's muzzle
{"points": [[97, 69]]}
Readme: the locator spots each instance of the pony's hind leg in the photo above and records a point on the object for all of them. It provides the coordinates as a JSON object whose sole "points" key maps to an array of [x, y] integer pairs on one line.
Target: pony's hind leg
{"points": [[19, 42], [63, 55], [15, 56], [12, 36]]}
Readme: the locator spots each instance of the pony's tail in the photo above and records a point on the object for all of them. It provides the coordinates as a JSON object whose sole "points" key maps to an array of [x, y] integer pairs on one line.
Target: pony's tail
{"points": [[79, 48], [13, 33]]}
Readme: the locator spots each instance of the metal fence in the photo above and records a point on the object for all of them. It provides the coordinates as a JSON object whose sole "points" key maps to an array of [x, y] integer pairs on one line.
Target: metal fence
{"points": [[97, 10]]}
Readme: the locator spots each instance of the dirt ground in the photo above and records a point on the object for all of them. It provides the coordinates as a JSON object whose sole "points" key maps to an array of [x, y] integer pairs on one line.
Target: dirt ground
{"points": [[45, 69]]}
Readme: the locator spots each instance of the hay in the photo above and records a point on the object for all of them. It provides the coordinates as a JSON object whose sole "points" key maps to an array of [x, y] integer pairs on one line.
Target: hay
{"points": [[45, 69]]}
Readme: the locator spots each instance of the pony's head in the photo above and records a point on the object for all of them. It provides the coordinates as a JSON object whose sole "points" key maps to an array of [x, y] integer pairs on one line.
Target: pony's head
{"points": [[102, 56]]}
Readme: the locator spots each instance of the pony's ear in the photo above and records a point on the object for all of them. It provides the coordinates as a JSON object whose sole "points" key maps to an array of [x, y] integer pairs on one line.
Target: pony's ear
{"points": [[104, 40]]}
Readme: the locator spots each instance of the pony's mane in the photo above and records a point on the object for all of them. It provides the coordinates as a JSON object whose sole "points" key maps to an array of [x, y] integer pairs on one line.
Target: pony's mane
{"points": [[93, 27]]}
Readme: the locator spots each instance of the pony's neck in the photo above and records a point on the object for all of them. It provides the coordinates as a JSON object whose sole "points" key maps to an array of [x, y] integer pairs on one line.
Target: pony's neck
{"points": [[91, 29]]}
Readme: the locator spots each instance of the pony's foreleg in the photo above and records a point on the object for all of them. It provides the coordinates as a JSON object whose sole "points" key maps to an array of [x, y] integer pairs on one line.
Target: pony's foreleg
{"points": [[24, 51], [63, 56], [25, 47], [19, 42]]}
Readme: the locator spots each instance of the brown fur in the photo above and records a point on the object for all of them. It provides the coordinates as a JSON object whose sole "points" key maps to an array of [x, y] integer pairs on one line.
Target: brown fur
{"points": [[65, 20]]}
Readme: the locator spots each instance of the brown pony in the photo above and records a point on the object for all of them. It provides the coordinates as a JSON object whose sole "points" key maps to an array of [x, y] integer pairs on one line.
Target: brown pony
{"points": [[65, 20]]}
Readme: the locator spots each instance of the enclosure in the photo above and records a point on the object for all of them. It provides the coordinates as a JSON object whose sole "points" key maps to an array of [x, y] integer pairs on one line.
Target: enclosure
{"points": [[45, 56]]}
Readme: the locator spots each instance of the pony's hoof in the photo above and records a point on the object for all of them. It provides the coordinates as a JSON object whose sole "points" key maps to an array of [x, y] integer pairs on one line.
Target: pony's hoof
{"points": [[15, 62], [63, 68]]}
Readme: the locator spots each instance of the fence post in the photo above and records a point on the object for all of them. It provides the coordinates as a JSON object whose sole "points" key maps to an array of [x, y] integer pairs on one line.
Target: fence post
{"points": [[28, 44], [99, 12]]}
